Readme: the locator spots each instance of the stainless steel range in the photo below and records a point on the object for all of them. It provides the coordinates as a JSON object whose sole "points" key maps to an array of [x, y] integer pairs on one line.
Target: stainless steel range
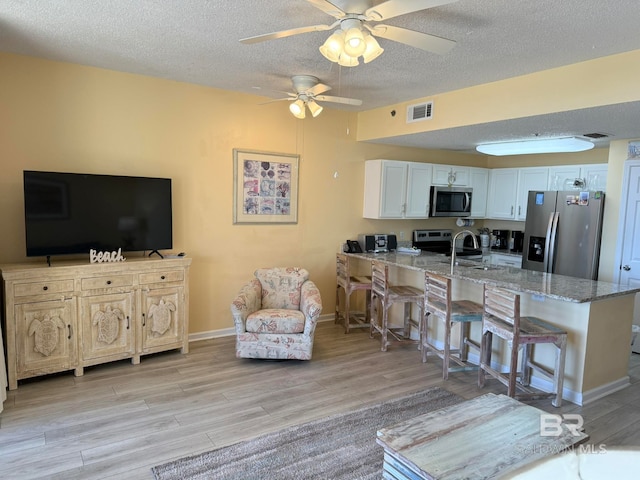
{"points": [[439, 241]]}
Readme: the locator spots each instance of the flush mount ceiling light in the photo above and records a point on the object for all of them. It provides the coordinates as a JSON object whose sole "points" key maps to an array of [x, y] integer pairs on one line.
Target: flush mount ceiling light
{"points": [[539, 145], [357, 20]]}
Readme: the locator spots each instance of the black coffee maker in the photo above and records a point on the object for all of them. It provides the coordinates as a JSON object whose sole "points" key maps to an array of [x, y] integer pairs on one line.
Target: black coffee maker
{"points": [[501, 239], [517, 237]]}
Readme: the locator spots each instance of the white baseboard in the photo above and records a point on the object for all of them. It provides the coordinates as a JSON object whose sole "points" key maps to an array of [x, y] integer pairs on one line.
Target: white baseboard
{"points": [[228, 332]]}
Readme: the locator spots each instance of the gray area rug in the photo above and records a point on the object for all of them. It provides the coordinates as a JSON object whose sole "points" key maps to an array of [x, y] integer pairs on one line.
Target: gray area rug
{"points": [[338, 447]]}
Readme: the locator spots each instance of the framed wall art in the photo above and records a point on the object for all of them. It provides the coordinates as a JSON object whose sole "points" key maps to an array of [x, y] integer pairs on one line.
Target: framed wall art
{"points": [[265, 187]]}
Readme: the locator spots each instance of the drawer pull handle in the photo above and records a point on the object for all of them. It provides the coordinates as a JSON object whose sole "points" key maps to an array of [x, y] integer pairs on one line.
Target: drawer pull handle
{"points": [[108, 282], [144, 320], [162, 277], [69, 336], [127, 322], [45, 288]]}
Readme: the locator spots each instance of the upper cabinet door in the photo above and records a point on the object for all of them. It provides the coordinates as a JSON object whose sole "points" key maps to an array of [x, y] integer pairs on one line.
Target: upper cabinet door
{"points": [[501, 201], [418, 190], [393, 189], [595, 175], [384, 188], [450, 175], [558, 175], [479, 182], [535, 178]]}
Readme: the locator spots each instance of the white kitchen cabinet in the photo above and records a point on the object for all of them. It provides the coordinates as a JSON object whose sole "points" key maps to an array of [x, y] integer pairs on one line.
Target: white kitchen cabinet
{"points": [[396, 189], [453, 175], [509, 190], [501, 200], [479, 182], [560, 173], [532, 178], [594, 174], [418, 190]]}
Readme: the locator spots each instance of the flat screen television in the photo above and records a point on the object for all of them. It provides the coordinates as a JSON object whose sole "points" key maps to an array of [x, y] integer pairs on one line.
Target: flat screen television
{"points": [[70, 213]]}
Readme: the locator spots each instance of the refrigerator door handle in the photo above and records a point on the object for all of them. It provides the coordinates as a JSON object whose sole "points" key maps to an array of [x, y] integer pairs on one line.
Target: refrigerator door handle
{"points": [[554, 236], [547, 245]]}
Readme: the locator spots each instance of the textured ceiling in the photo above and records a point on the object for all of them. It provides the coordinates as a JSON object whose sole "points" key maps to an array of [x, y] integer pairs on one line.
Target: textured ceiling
{"points": [[196, 41]]}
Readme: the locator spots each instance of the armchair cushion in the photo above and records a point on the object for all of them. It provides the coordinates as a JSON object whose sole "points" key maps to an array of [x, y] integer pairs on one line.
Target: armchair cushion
{"points": [[281, 286], [275, 320]]}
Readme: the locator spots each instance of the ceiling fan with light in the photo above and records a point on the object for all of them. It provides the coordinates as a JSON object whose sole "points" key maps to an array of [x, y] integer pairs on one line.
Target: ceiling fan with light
{"points": [[308, 89], [358, 27]]}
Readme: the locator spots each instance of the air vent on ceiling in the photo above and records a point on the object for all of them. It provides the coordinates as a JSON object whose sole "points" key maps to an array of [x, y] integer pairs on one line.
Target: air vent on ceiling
{"points": [[419, 112], [595, 135]]}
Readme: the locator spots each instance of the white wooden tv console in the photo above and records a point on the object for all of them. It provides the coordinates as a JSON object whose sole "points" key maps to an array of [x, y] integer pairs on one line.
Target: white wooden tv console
{"points": [[72, 315]]}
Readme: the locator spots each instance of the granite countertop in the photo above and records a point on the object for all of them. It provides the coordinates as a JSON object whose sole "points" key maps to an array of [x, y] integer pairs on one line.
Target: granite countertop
{"points": [[560, 287]]}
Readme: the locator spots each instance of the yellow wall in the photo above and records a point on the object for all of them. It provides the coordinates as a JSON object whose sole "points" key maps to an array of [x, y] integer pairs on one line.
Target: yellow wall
{"points": [[63, 117]]}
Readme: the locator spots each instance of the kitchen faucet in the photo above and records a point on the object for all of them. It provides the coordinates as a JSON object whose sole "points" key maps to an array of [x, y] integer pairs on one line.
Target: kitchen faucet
{"points": [[453, 245]]}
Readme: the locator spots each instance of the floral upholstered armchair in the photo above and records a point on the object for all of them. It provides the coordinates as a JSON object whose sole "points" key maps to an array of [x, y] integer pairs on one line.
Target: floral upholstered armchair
{"points": [[275, 315]]}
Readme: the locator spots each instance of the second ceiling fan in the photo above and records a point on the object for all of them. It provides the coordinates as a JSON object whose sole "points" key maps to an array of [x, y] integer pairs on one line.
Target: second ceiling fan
{"points": [[308, 89]]}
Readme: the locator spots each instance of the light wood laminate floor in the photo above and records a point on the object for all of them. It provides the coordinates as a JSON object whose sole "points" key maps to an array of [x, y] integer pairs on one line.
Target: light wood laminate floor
{"points": [[119, 420]]}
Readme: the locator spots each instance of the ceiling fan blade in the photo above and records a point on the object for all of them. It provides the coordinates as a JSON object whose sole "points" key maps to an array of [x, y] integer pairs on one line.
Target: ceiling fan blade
{"points": [[318, 89], [328, 8], [277, 100], [424, 41], [287, 33], [394, 8], [346, 101]]}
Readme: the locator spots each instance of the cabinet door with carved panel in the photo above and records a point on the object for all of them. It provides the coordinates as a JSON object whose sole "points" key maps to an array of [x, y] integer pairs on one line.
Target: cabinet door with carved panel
{"points": [[45, 337], [163, 320], [107, 328]]}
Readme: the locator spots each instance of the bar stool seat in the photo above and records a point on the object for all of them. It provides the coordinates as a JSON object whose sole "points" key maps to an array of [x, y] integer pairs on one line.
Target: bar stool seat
{"points": [[502, 318], [385, 295], [438, 305], [351, 283]]}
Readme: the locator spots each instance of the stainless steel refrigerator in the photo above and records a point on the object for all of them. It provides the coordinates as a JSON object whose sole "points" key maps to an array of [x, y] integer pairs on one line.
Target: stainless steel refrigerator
{"points": [[562, 233]]}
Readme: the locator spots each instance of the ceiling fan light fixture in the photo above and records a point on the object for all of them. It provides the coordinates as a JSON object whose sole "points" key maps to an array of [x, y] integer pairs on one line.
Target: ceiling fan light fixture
{"points": [[333, 46], [354, 43], [540, 145], [373, 50], [297, 109], [347, 60], [314, 108]]}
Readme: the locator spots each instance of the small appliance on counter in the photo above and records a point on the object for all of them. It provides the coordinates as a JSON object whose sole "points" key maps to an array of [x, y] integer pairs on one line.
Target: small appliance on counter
{"points": [[377, 242], [517, 240], [501, 239]]}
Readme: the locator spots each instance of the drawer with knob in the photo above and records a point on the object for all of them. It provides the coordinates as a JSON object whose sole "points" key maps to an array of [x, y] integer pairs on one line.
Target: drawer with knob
{"points": [[40, 288], [161, 277], [107, 281]]}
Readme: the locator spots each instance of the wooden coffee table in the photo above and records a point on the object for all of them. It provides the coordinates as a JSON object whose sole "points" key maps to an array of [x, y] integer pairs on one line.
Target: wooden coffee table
{"points": [[485, 437]]}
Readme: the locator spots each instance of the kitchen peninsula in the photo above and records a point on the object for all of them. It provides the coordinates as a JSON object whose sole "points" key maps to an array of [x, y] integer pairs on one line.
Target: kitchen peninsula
{"points": [[597, 315]]}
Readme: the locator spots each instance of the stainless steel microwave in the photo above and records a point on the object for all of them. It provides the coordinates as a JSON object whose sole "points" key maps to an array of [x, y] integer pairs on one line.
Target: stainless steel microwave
{"points": [[451, 201]]}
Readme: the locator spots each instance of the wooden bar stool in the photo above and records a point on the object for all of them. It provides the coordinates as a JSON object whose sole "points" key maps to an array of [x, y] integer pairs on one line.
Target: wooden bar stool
{"points": [[351, 284], [438, 305], [386, 295], [502, 318]]}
